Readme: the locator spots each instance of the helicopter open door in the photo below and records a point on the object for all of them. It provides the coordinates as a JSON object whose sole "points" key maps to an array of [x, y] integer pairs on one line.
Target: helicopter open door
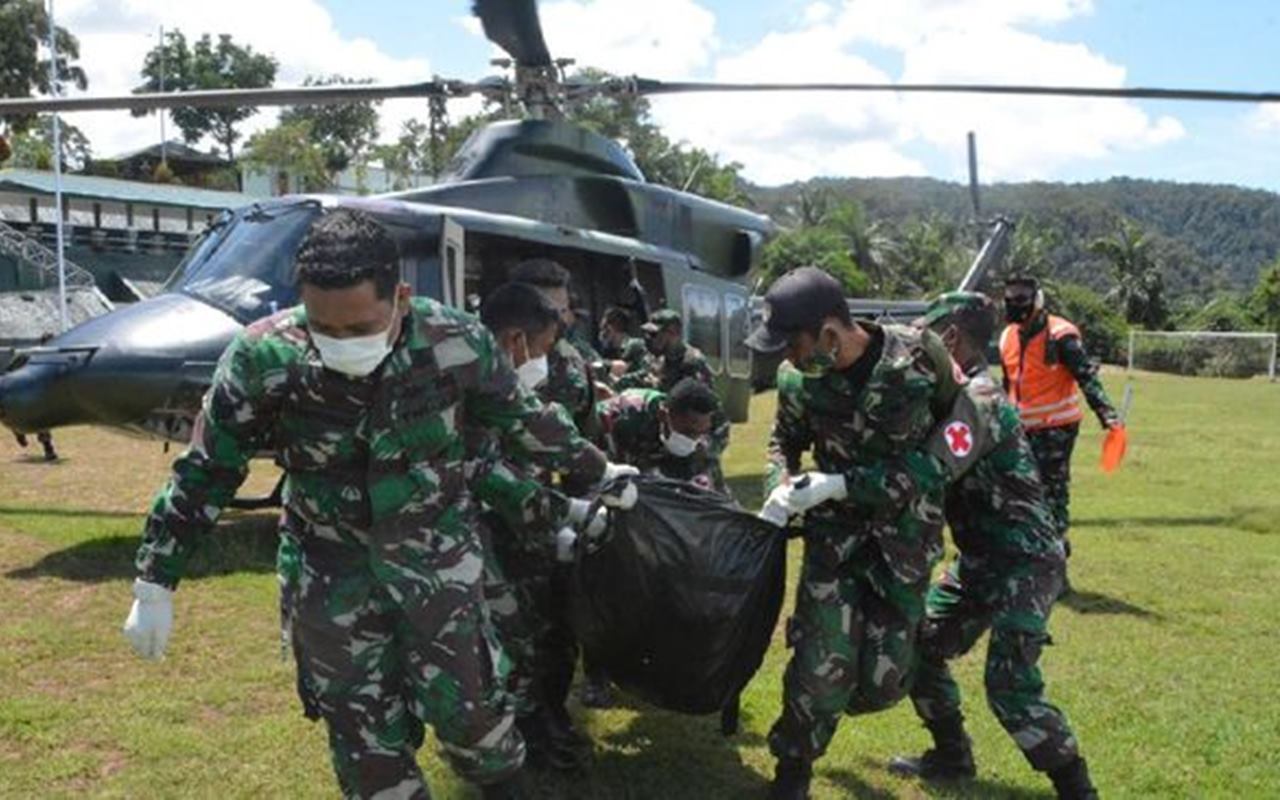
{"points": [[453, 260]]}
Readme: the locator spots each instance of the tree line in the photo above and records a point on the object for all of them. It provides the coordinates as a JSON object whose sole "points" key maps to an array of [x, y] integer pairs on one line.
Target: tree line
{"points": [[1123, 251]]}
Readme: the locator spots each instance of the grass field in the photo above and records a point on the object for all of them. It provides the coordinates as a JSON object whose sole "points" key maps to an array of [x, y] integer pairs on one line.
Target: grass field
{"points": [[1167, 659]]}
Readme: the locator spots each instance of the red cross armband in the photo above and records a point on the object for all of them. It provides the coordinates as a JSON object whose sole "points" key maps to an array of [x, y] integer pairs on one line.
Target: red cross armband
{"points": [[961, 438]]}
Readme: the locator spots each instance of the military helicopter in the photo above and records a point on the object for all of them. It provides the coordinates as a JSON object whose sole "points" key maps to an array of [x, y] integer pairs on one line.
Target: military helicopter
{"points": [[539, 186]]}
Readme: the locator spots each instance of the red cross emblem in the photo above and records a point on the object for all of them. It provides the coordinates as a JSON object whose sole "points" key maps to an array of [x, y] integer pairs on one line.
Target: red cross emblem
{"points": [[959, 438]]}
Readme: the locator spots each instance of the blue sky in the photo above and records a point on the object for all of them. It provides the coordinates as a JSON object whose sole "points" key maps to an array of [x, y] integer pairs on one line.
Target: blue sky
{"points": [[1194, 43]]}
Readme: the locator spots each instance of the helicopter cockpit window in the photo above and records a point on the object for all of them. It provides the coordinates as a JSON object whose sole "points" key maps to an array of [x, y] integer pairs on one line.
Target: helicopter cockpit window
{"points": [[702, 323], [246, 268]]}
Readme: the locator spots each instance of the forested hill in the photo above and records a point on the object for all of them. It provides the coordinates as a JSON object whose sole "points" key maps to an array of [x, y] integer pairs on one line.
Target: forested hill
{"points": [[1206, 237]]}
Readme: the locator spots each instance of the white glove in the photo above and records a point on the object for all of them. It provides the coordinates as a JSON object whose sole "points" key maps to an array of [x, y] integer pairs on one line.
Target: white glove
{"points": [[614, 471], [623, 499], [598, 523], [809, 490], [566, 538], [578, 510], [774, 512], [150, 619]]}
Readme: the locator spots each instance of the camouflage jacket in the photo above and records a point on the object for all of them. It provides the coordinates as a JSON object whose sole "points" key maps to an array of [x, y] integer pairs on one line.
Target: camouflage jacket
{"points": [[995, 502], [685, 361], [375, 468], [569, 384], [853, 422], [636, 356], [633, 435]]}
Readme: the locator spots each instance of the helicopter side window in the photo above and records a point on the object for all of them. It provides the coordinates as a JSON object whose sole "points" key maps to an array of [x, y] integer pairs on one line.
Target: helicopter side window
{"points": [[702, 315], [246, 269], [737, 325]]}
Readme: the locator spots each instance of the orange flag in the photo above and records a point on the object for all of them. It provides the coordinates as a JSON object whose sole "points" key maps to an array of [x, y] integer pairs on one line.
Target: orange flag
{"points": [[1113, 448]]}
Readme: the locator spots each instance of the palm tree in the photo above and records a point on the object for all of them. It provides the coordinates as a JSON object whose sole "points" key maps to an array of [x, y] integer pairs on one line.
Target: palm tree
{"points": [[1139, 288]]}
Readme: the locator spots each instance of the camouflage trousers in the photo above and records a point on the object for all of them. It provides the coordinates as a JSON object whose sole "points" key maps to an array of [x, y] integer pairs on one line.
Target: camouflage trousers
{"points": [[512, 607], [1014, 602], [1052, 448], [518, 588], [382, 651], [852, 637]]}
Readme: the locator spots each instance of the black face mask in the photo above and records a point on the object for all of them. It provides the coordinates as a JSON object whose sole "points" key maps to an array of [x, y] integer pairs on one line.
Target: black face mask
{"points": [[1018, 310]]}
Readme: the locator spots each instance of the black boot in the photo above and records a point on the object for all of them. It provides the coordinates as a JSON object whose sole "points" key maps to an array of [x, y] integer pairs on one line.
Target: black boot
{"points": [[791, 780], [510, 789], [1072, 781], [545, 746], [951, 757], [537, 739]]}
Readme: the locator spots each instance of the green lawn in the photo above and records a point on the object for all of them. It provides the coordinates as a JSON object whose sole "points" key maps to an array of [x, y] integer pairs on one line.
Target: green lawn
{"points": [[1167, 660]]}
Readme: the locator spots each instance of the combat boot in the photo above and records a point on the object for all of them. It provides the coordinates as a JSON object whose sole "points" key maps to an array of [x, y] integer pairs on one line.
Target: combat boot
{"points": [[544, 747], [951, 757], [510, 789], [1072, 781], [791, 780]]}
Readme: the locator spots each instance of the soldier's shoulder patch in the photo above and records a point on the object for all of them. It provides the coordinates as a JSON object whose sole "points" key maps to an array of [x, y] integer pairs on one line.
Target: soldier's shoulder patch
{"points": [[959, 437]]}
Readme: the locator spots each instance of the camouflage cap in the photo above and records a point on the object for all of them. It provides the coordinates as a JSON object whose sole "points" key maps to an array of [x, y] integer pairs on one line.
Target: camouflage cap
{"points": [[950, 303], [660, 319]]}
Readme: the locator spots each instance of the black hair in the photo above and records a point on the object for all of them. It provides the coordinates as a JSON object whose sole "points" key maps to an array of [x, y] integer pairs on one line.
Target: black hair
{"points": [[518, 305], [346, 247], [619, 318], [1029, 281], [691, 396], [542, 273], [977, 325]]}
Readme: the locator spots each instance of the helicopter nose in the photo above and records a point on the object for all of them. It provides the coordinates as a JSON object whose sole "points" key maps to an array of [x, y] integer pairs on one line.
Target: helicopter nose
{"points": [[119, 368]]}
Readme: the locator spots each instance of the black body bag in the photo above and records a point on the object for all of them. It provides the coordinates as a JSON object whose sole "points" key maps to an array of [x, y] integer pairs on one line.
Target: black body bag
{"points": [[678, 599]]}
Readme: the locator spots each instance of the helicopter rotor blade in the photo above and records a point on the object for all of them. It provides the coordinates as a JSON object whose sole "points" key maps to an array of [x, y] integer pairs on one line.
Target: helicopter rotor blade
{"points": [[513, 25], [649, 86], [221, 98]]}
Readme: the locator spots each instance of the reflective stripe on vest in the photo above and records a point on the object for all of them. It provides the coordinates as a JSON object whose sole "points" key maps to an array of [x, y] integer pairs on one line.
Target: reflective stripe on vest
{"points": [[1044, 393]]}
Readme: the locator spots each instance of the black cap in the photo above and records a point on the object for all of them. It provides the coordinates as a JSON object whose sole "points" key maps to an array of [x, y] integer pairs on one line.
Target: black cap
{"points": [[798, 301]]}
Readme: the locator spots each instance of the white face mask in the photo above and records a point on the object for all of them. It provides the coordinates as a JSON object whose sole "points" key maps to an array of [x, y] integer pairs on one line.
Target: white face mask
{"points": [[533, 372], [679, 445], [356, 356]]}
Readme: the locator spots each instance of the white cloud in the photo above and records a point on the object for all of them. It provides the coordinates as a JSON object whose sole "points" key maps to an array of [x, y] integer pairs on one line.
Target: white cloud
{"points": [[1265, 119], [1023, 137], [659, 38], [116, 34], [780, 137]]}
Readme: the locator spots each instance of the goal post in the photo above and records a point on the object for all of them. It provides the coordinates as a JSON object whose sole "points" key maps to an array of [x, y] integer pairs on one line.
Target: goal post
{"points": [[1219, 354]]}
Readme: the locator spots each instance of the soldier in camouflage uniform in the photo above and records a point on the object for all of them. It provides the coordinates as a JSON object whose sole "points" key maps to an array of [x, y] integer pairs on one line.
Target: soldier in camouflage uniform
{"points": [[626, 354], [673, 361], [569, 380], [1008, 574], [569, 384], [665, 434], [364, 394], [857, 395], [1044, 361], [519, 573]]}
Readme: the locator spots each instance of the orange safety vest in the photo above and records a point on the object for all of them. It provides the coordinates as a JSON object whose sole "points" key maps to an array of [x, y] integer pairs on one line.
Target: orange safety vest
{"points": [[1044, 393]]}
